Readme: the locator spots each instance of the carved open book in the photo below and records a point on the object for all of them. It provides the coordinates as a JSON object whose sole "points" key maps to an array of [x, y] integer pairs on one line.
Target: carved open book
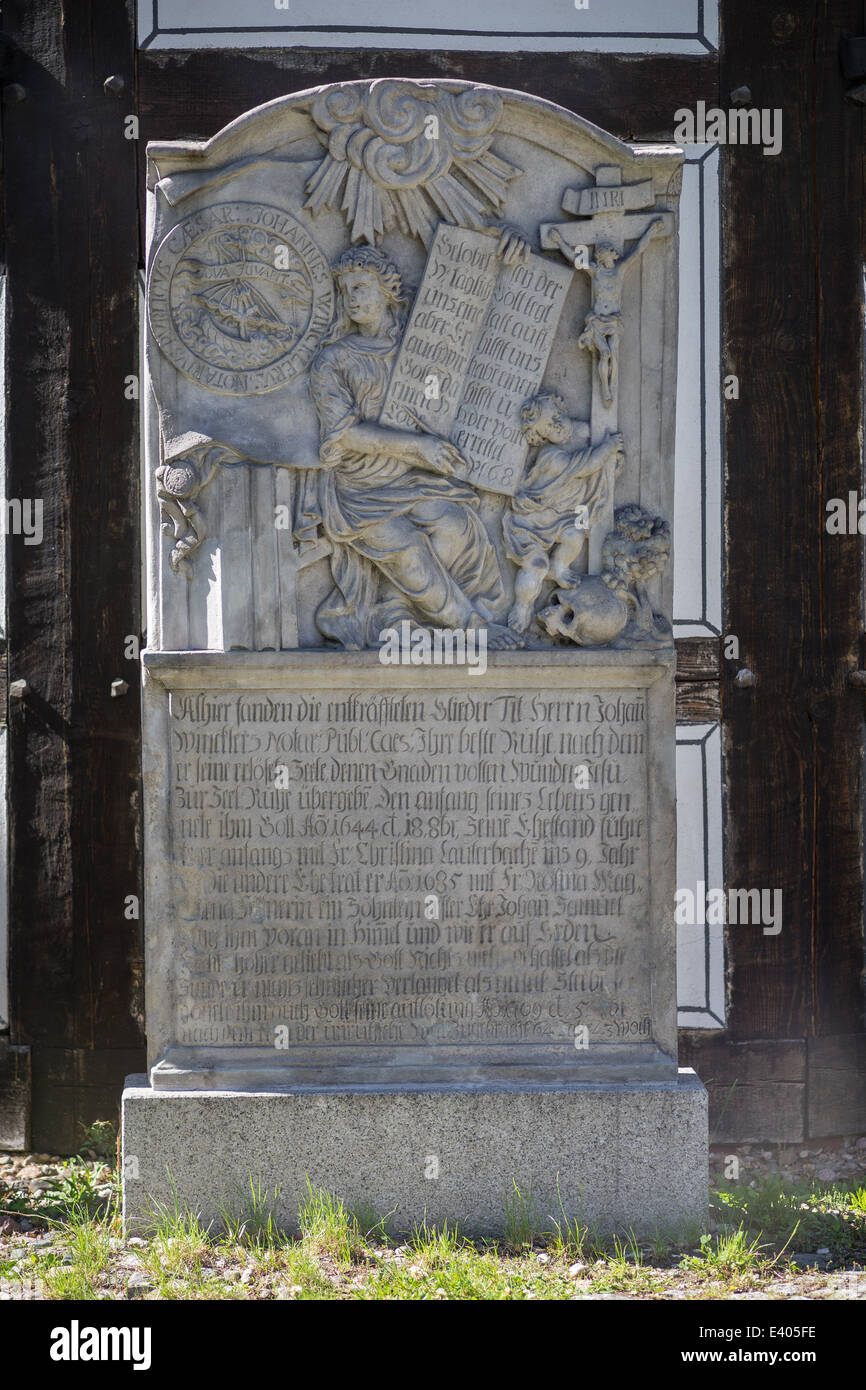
{"points": [[475, 349]]}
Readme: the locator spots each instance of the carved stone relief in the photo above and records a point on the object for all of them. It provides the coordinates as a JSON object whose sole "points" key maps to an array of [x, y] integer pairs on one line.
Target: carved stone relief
{"points": [[410, 341]]}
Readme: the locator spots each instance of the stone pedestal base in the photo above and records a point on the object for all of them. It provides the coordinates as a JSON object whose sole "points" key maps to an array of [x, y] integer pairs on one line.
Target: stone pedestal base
{"points": [[622, 1156]]}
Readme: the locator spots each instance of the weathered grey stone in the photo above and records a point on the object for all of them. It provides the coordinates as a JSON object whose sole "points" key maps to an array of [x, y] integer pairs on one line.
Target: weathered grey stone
{"points": [[623, 1156], [402, 872], [408, 690]]}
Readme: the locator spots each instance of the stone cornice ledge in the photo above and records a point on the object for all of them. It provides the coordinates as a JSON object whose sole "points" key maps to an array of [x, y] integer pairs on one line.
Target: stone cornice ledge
{"points": [[299, 670]]}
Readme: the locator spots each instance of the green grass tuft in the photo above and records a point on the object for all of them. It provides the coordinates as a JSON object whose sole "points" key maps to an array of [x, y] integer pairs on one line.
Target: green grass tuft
{"points": [[329, 1227], [256, 1224], [522, 1221]]}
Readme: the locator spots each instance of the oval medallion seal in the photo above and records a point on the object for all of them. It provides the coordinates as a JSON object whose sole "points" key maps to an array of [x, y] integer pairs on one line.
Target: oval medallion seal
{"points": [[239, 296]]}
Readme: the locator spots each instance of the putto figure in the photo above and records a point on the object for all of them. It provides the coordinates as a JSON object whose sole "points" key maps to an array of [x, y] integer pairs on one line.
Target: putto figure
{"points": [[637, 550], [567, 486], [388, 500]]}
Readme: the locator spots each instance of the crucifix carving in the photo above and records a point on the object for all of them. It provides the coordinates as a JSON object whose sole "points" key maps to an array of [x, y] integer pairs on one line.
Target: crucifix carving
{"points": [[607, 219]]}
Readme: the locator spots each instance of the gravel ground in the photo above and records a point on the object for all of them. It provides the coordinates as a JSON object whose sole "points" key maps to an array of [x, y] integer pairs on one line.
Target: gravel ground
{"points": [[829, 1160]]}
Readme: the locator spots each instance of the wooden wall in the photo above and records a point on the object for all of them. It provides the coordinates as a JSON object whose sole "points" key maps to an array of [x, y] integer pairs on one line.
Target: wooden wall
{"points": [[791, 1062], [71, 199]]}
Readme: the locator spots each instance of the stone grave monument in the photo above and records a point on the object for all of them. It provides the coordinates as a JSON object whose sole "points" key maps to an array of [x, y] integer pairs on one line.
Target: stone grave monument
{"points": [[408, 684]]}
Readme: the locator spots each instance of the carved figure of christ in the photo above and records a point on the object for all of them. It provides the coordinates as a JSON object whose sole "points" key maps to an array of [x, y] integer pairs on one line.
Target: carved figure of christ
{"points": [[606, 223]]}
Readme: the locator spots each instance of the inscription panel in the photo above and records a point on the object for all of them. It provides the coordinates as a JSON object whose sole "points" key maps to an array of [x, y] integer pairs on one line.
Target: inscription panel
{"points": [[409, 869]]}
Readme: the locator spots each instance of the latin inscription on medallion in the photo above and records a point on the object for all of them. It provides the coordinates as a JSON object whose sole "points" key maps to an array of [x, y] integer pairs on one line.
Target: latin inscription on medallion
{"points": [[240, 296]]}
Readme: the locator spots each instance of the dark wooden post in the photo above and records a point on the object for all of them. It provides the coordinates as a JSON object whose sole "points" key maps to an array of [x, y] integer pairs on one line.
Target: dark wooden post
{"points": [[71, 207], [792, 1061]]}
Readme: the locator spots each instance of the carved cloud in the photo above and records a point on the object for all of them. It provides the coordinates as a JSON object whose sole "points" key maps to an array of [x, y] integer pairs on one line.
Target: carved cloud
{"points": [[406, 155]]}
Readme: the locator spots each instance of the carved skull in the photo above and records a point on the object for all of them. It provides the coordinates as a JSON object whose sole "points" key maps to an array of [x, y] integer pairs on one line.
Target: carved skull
{"points": [[590, 614]]}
